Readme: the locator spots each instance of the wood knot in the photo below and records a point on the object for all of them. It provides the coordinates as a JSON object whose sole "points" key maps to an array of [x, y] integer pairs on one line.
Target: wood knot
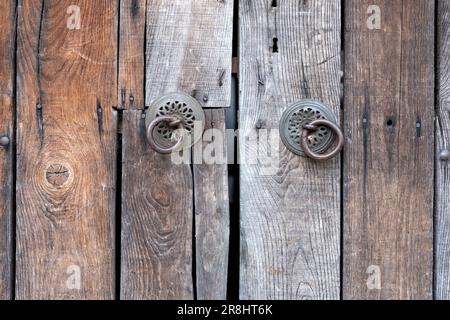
{"points": [[57, 175]]}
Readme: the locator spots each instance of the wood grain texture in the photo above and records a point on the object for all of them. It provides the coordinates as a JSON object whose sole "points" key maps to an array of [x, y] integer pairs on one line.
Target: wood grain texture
{"points": [[132, 54], [67, 84], [442, 238], [212, 215], [189, 49], [157, 218], [7, 73], [157, 196], [290, 218], [389, 157]]}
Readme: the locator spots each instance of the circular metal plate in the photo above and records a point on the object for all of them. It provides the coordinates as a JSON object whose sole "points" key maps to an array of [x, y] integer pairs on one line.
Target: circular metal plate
{"points": [[187, 109], [300, 114]]}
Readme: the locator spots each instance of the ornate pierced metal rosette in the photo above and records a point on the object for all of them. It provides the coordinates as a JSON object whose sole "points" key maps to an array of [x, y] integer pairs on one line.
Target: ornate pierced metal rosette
{"points": [[300, 114], [183, 107]]}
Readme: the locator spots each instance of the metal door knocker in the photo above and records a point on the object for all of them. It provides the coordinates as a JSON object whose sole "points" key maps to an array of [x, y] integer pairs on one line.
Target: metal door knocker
{"points": [[309, 128], [174, 122]]}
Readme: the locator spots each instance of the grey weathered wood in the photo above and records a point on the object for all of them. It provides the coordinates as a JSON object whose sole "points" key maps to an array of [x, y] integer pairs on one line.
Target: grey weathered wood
{"points": [[442, 228], [189, 49], [7, 43], [290, 218], [212, 219], [66, 150], [389, 157], [157, 197], [157, 220]]}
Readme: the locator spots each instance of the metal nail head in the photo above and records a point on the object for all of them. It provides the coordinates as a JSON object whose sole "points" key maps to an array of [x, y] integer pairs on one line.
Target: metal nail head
{"points": [[4, 141]]}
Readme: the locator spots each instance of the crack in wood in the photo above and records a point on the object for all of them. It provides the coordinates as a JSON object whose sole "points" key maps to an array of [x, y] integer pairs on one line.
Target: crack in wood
{"points": [[57, 174]]}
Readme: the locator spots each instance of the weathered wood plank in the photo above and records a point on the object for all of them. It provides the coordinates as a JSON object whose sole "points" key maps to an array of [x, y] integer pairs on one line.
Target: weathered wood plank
{"points": [[66, 157], [7, 44], [388, 168], [157, 220], [189, 49], [212, 219], [157, 197], [132, 54], [442, 245], [290, 218]]}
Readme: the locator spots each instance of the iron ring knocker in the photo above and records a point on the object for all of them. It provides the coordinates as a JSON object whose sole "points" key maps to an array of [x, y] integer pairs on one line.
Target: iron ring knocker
{"points": [[314, 126], [171, 121]]}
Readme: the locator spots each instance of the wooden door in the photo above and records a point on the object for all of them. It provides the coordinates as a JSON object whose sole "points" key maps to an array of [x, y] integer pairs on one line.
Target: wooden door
{"points": [[290, 218], [88, 210]]}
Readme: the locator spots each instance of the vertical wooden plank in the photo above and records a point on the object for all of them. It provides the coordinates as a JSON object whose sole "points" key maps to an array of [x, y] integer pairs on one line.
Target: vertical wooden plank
{"points": [[188, 48], [212, 219], [156, 219], [389, 158], [290, 218], [132, 54], [7, 44], [67, 79], [442, 244]]}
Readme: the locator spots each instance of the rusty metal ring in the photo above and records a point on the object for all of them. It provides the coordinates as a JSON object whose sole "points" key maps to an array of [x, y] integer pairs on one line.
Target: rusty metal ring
{"points": [[314, 126], [173, 122]]}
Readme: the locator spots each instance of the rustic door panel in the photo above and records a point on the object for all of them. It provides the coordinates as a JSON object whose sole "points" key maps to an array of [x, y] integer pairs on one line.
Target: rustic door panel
{"points": [[7, 26], [388, 168], [187, 47], [66, 157], [290, 213]]}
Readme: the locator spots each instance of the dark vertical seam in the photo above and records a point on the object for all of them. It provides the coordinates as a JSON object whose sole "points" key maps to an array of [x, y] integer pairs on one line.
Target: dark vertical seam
{"points": [[233, 272], [13, 223], [436, 111], [144, 89], [342, 159], [118, 204], [39, 111], [118, 45], [194, 238]]}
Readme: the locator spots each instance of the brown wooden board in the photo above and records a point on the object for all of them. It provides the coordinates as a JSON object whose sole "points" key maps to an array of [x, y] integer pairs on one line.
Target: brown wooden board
{"points": [[66, 157], [442, 245], [389, 156], [187, 48], [132, 54], [290, 217], [7, 73], [212, 219]]}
